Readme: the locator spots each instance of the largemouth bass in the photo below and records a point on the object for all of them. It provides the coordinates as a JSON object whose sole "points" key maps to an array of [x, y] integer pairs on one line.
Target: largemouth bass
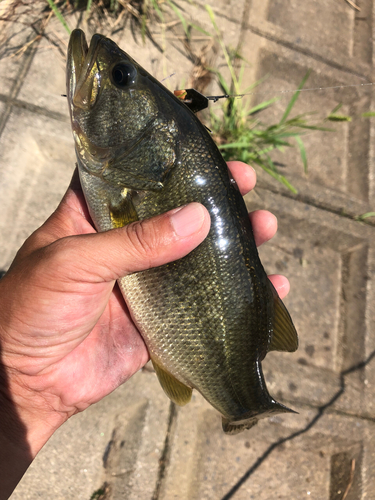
{"points": [[209, 319]]}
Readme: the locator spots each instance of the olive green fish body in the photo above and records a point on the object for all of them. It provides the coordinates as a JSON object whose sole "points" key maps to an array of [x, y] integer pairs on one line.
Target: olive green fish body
{"points": [[210, 318]]}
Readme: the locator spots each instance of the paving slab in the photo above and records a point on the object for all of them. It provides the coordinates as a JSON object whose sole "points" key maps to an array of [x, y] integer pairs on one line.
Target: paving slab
{"points": [[14, 61], [118, 442], [38, 159], [309, 455], [329, 31], [45, 81], [329, 260], [316, 23], [340, 163]]}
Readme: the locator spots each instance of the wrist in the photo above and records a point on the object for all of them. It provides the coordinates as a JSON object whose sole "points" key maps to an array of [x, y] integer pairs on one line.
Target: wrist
{"points": [[27, 420]]}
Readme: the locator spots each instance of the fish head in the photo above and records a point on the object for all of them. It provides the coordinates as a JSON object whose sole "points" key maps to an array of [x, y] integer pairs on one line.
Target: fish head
{"points": [[111, 99]]}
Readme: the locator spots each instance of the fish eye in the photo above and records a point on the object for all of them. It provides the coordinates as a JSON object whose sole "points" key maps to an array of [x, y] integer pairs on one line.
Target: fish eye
{"points": [[123, 75]]}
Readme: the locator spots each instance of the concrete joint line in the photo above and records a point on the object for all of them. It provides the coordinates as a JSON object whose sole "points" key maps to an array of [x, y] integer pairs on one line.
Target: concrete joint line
{"points": [[307, 200], [307, 52], [165, 456], [18, 103], [245, 17]]}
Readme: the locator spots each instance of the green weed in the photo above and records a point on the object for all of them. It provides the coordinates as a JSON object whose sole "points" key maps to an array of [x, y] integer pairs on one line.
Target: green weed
{"points": [[58, 14]]}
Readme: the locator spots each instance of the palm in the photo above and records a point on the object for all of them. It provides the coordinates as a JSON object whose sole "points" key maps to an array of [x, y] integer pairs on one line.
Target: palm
{"points": [[107, 356]]}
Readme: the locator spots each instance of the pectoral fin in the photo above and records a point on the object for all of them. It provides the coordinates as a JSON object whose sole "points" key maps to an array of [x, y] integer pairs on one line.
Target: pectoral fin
{"points": [[121, 209], [284, 337], [178, 392]]}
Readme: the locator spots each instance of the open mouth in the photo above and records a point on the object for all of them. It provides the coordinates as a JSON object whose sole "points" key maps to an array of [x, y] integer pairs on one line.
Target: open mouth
{"points": [[81, 61]]}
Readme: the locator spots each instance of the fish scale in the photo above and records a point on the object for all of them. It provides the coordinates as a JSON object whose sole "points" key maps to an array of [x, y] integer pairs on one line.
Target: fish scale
{"points": [[209, 318]]}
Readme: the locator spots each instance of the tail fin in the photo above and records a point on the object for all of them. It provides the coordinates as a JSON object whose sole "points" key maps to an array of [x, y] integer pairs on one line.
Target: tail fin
{"points": [[256, 404], [246, 422]]}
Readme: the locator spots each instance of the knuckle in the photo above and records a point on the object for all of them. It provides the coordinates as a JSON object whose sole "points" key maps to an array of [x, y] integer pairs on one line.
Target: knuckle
{"points": [[144, 239]]}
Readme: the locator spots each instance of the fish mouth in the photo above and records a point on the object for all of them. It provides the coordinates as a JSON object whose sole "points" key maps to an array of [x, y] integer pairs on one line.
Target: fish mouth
{"points": [[81, 74]]}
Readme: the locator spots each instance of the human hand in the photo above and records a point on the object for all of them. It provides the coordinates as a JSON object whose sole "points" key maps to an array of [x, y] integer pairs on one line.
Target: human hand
{"points": [[66, 335]]}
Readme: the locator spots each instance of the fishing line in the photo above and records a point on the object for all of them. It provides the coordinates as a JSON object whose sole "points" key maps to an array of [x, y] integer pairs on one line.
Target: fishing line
{"points": [[167, 77], [215, 98], [312, 89]]}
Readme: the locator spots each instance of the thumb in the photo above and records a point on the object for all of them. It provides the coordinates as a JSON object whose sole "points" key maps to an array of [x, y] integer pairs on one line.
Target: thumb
{"points": [[138, 246]]}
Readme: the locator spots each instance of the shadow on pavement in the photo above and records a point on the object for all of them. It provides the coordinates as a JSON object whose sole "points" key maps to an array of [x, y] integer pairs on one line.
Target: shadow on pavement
{"points": [[13, 429]]}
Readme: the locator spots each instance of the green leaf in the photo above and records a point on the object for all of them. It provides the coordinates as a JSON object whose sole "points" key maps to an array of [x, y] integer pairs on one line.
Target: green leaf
{"points": [[365, 216], [224, 49], [302, 150], [224, 86], [279, 177], [201, 30], [289, 134], [233, 145], [157, 10], [262, 105], [277, 142], [339, 118], [58, 14], [180, 16], [294, 98], [336, 108], [368, 114]]}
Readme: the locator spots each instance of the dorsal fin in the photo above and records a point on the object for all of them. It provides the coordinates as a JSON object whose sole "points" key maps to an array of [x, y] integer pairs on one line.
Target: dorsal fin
{"points": [[284, 337], [178, 392]]}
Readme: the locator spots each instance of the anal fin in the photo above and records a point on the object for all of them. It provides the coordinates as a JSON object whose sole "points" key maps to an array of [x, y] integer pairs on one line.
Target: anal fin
{"points": [[284, 337], [178, 392]]}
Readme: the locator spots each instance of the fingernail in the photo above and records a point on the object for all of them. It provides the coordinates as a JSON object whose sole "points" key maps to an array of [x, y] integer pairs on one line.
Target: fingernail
{"points": [[188, 219]]}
